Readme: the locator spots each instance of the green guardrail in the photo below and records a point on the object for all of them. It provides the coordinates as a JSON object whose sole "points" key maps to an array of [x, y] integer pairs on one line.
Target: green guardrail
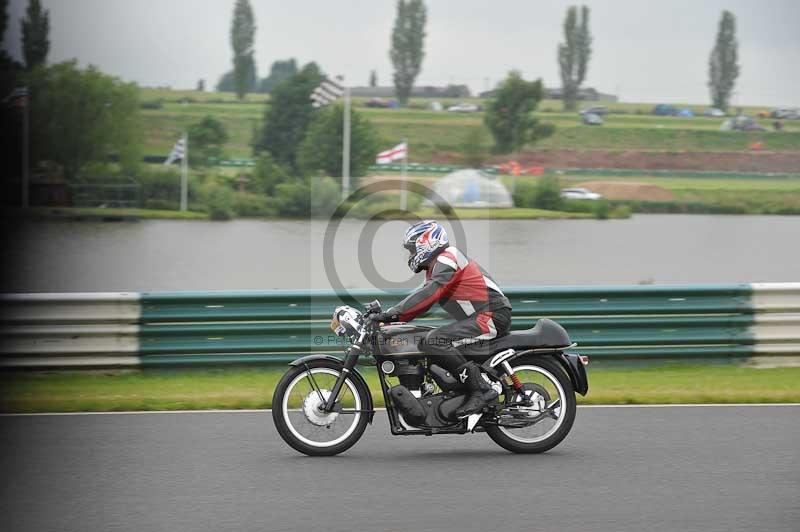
{"points": [[727, 322]]}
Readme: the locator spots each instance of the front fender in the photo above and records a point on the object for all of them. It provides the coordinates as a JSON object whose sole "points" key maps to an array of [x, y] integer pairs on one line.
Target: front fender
{"points": [[357, 376]]}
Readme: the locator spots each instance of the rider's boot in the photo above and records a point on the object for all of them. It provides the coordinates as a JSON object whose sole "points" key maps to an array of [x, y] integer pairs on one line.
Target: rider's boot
{"points": [[470, 375]]}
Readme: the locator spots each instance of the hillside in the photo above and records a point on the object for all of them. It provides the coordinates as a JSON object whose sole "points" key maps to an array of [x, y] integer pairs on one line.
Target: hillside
{"points": [[437, 136]]}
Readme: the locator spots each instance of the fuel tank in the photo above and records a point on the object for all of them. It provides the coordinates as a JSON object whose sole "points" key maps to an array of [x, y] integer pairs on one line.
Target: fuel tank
{"points": [[401, 340]]}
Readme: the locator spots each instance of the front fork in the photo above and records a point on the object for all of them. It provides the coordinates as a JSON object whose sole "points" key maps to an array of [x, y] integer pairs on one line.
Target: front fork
{"points": [[350, 361]]}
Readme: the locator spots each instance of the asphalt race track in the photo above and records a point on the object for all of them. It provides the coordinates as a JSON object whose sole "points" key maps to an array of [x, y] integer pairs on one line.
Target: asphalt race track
{"points": [[621, 469]]}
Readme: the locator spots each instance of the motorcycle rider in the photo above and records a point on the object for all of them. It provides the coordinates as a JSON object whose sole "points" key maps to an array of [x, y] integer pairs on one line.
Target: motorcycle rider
{"points": [[464, 289]]}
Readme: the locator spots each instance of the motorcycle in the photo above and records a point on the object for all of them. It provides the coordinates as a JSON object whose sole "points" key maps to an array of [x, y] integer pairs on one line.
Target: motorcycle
{"points": [[322, 404]]}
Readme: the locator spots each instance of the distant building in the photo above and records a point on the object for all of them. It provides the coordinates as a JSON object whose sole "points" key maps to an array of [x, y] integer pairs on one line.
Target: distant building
{"points": [[588, 94], [425, 91]]}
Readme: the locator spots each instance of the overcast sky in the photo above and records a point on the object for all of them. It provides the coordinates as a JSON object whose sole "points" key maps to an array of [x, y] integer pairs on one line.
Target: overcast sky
{"points": [[644, 50]]}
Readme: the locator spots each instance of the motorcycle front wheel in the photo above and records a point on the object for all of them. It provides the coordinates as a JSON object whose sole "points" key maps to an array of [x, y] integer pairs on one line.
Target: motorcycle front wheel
{"points": [[299, 419], [542, 414]]}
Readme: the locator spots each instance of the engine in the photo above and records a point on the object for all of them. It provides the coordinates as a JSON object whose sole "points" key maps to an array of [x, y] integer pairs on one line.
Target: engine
{"points": [[414, 398]]}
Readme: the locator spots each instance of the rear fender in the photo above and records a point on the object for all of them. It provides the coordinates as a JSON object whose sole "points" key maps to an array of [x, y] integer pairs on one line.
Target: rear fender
{"points": [[571, 363], [576, 371], [357, 376]]}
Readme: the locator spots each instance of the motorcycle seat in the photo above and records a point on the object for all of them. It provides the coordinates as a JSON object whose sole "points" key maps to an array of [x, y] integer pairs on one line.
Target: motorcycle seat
{"points": [[546, 333]]}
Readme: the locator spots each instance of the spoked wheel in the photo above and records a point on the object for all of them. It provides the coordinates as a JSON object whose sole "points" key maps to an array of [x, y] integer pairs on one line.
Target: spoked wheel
{"points": [[298, 415], [541, 414]]}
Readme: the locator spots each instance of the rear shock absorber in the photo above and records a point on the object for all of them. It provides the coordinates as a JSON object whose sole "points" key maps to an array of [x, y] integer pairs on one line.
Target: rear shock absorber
{"points": [[515, 382]]}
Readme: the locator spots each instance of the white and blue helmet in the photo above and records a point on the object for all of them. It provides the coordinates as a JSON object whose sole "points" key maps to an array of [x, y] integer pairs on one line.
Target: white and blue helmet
{"points": [[424, 240]]}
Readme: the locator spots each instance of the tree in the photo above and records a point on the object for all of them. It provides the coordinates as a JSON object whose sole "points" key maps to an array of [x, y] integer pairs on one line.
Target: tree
{"points": [[509, 114], [6, 63], [267, 175], [373, 79], [322, 148], [3, 18], [287, 115], [35, 30], [79, 116], [279, 71], [206, 139], [574, 54], [201, 85], [723, 68], [407, 52], [243, 30]]}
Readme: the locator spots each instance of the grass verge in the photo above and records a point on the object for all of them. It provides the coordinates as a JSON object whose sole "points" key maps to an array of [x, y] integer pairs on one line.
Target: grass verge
{"points": [[236, 388]]}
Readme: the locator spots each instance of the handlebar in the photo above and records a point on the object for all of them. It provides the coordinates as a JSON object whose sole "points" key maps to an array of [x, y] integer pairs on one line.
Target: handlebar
{"points": [[373, 307]]}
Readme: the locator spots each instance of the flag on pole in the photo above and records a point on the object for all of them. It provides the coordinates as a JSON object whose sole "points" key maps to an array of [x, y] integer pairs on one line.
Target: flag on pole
{"points": [[327, 93], [395, 154], [177, 152], [17, 98]]}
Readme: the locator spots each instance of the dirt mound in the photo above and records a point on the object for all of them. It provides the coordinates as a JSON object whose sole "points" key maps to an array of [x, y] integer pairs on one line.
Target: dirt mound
{"points": [[615, 190]]}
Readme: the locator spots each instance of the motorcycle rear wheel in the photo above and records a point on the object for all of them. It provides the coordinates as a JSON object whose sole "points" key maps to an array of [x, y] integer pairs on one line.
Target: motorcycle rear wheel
{"points": [[300, 422], [546, 375]]}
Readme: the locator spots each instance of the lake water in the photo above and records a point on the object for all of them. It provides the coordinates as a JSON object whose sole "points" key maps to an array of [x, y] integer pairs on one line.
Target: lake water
{"points": [[252, 254]]}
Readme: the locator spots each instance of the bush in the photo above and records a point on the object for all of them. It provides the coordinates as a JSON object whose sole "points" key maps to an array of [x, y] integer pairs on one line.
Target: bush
{"points": [[601, 209], [163, 183], [572, 205], [152, 104], [254, 205], [325, 196], [267, 175], [317, 197], [548, 194], [524, 194], [220, 202]]}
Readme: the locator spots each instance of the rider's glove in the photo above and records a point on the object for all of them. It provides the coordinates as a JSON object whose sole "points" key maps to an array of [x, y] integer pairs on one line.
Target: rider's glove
{"points": [[383, 317]]}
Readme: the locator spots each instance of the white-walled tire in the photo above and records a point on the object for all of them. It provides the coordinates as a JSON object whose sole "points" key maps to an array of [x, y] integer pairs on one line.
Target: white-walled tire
{"points": [[548, 377], [302, 425]]}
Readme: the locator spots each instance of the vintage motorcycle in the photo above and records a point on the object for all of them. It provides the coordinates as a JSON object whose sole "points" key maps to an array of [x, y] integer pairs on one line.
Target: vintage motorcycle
{"points": [[322, 405]]}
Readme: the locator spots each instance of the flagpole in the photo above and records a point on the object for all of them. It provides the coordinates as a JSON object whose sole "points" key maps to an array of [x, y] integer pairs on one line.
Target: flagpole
{"points": [[25, 127], [185, 173], [403, 188], [346, 146]]}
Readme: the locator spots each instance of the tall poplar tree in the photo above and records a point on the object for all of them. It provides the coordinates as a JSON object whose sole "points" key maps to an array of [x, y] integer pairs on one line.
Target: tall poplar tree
{"points": [[407, 52], [574, 54], [723, 68], [243, 31], [35, 34]]}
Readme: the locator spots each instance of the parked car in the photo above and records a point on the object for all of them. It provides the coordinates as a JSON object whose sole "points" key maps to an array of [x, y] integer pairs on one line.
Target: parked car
{"points": [[742, 123], [791, 114], [464, 108], [377, 103], [591, 119], [664, 109], [598, 110], [579, 194], [713, 111]]}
